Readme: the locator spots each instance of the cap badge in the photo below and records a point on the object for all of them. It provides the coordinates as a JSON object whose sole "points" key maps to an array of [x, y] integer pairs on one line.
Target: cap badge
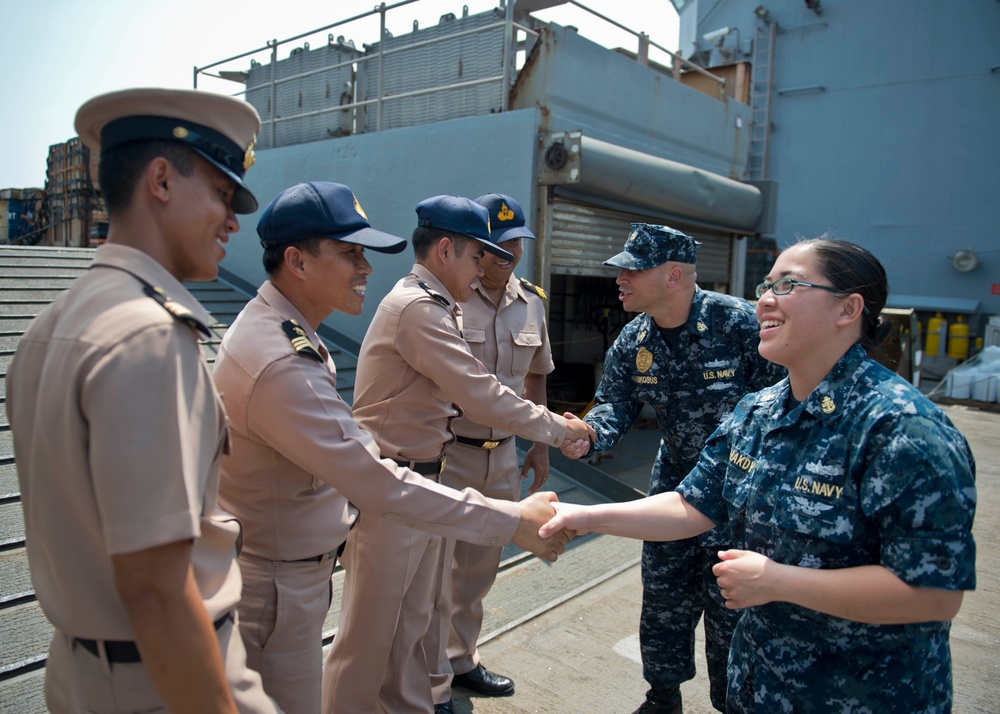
{"points": [[250, 157], [505, 214], [828, 405], [643, 360], [180, 132], [358, 208], [701, 326]]}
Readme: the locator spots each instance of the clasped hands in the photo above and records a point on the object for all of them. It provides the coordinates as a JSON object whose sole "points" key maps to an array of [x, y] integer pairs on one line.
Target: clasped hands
{"points": [[579, 436], [537, 509]]}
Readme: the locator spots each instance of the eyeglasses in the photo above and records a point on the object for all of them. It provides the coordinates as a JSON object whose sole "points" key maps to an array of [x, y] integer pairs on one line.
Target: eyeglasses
{"points": [[783, 286]]}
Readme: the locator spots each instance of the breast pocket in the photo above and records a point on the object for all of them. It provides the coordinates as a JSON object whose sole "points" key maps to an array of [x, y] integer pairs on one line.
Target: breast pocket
{"points": [[820, 509], [525, 344]]}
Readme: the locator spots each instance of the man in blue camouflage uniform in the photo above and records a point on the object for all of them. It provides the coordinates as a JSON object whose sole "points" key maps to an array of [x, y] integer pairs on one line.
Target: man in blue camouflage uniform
{"points": [[865, 470], [691, 355]]}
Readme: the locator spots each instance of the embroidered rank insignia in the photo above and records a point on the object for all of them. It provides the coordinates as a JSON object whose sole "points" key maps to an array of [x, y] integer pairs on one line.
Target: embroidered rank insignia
{"points": [[701, 326], [641, 337], [505, 214], [179, 312], [434, 293], [643, 360], [300, 341], [828, 405], [531, 287]]}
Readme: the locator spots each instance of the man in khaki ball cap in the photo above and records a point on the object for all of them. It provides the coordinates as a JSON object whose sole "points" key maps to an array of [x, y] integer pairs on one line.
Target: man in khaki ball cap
{"points": [[118, 430]]}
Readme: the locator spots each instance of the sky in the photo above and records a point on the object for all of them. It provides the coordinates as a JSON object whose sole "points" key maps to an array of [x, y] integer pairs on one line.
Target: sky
{"points": [[57, 54]]}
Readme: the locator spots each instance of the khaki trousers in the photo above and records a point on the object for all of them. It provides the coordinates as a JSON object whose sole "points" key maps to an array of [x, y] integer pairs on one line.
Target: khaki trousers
{"points": [[282, 611], [78, 682], [377, 662], [469, 569]]}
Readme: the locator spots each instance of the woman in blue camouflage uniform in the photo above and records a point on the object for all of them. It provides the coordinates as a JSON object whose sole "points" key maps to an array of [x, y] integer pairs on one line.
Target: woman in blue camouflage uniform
{"points": [[853, 497]]}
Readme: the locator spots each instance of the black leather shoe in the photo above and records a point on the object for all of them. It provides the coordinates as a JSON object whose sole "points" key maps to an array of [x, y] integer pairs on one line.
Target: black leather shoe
{"points": [[485, 682], [444, 708], [662, 701]]}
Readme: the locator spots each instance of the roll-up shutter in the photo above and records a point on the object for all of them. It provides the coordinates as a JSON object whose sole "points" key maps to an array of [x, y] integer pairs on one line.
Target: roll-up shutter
{"points": [[585, 235]]}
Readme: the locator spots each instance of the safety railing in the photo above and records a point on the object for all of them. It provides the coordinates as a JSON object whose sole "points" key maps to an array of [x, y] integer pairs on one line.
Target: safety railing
{"points": [[357, 60]]}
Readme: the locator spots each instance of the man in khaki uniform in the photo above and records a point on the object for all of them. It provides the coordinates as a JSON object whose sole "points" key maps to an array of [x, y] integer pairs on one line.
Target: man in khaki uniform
{"points": [[118, 429], [415, 373], [504, 323], [301, 467]]}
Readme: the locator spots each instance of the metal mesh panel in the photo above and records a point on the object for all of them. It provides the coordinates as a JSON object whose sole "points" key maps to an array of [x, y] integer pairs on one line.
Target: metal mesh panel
{"points": [[584, 236], [304, 94], [447, 61]]}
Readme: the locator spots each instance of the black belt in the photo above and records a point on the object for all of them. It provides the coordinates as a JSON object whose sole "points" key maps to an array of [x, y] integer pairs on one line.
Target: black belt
{"points": [[424, 468], [482, 443], [323, 556], [119, 652]]}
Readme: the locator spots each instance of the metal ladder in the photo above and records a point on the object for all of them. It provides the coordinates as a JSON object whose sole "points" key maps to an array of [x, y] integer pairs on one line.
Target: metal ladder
{"points": [[760, 100]]}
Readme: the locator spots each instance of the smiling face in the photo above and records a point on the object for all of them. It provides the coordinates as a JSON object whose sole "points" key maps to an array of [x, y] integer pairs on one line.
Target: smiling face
{"points": [[203, 218], [338, 276], [462, 265], [496, 270], [798, 330]]}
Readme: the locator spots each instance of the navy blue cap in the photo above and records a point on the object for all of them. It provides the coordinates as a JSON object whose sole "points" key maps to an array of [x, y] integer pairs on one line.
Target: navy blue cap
{"points": [[648, 246], [506, 217], [321, 208], [221, 129], [459, 215]]}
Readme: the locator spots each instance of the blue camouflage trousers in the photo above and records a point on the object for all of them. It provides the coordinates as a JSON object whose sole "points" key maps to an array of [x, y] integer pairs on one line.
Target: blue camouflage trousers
{"points": [[678, 586]]}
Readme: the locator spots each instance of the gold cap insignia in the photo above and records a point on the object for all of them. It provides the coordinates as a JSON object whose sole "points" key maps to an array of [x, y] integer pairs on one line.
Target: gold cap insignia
{"points": [[358, 208], [250, 157], [701, 326], [505, 214], [180, 132], [828, 405], [643, 360]]}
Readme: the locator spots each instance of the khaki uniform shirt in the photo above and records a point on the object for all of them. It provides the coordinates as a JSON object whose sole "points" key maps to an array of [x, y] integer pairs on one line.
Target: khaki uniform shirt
{"points": [[415, 371], [118, 431], [510, 339], [301, 466]]}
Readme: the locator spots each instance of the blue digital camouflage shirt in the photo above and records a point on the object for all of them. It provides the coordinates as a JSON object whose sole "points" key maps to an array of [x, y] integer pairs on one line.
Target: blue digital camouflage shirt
{"points": [[692, 388], [864, 471]]}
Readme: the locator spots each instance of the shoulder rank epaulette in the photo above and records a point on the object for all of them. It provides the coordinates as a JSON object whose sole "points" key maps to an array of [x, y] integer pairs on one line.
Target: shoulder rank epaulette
{"points": [[534, 288], [179, 312], [300, 341], [434, 293]]}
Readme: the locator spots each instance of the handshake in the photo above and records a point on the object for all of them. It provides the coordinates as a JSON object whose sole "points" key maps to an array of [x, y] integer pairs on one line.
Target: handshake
{"points": [[538, 509]]}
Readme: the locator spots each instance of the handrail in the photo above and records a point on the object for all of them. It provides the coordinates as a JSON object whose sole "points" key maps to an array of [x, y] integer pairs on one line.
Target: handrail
{"points": [[643, 37], [511, 28]]}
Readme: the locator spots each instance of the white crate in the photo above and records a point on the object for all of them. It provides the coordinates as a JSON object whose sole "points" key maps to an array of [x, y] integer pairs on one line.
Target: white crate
{"points": [[991, 336]]}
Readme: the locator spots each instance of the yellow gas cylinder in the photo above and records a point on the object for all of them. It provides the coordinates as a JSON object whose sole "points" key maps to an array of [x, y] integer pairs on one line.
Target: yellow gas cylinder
{"points": [[937, 328], [958, 339]]}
